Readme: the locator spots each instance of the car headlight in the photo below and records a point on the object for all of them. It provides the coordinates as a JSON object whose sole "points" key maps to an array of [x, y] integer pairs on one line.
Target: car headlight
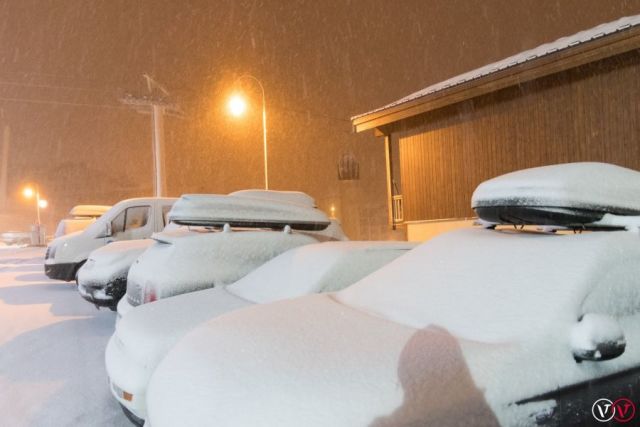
{"points": [[51, 252]]}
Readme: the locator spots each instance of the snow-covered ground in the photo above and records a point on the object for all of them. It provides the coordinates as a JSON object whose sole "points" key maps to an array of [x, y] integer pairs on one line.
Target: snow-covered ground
{"points": [[51, 349]]}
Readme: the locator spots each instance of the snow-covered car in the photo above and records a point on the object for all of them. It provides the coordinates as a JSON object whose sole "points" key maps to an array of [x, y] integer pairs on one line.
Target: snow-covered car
{"points": [[144, 336], [475, 327], [15, 237], [129, 219], [102, 280], [245, 230]]}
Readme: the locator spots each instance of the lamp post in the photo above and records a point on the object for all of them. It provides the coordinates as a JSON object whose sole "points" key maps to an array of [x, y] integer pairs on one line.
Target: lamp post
{"points": [[31, 193], [237, 107]]}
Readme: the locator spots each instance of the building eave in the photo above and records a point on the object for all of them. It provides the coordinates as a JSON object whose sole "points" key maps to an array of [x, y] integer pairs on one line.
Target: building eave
{"points": [[552, 63]]}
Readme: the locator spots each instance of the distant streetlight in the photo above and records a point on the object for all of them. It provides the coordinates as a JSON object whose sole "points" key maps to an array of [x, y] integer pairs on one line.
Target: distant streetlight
{"points": [[29, 193], [237, 107]]}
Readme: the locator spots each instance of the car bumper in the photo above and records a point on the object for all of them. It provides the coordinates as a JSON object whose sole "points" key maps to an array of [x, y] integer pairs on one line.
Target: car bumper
{"points": [[103, 295], [128, 379], [62, 271]]}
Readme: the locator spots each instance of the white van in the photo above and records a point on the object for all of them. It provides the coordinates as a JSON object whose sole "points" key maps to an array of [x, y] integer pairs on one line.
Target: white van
{"points": [[80, 217], [127, 220]]}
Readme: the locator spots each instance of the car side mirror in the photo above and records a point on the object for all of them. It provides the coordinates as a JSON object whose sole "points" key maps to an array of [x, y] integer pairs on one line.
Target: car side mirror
{"points": [[107, 231], [597, 337]]}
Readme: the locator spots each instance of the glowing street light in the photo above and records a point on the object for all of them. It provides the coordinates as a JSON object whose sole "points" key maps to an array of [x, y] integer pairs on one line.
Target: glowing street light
{"points": [[29, 193], [237, 107]]}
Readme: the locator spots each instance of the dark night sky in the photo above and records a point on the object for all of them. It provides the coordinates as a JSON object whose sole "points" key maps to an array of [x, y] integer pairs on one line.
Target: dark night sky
{"points": [[320, 62]]}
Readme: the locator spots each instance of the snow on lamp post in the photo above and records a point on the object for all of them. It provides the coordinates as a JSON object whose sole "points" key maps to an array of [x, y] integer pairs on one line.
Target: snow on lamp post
{"points": [[237, 107]]}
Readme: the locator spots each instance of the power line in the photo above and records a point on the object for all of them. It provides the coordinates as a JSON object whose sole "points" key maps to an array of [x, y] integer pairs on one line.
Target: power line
{"points": [[65, 103], [45, 86]]}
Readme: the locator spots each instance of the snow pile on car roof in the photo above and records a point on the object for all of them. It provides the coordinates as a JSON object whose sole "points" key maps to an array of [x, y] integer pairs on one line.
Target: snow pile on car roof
{"points": [[500, 286], [321, 267], [249, 209], [591, 186]]}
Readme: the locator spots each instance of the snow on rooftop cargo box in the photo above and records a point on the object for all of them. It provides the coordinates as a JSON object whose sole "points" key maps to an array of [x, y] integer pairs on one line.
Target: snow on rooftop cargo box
{"points": [[255, 209], [586, 194]]}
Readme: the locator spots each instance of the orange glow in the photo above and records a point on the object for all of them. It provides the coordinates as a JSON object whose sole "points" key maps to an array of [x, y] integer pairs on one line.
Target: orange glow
{"points": [[28, 192], [237, 105]]}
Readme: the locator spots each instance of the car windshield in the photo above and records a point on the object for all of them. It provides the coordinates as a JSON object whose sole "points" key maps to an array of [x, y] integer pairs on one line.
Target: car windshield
{"points": [[496, 286], [314, 268]]}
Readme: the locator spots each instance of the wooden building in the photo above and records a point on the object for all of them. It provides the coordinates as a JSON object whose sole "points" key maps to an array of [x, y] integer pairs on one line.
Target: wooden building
{"points": [[576, 99]]}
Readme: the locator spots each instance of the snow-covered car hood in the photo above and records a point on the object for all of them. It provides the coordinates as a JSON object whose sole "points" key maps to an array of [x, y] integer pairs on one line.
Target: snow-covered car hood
{"points": [[180, 263], [111, 261], [311, 362], [60, 241], [399, 348], [149, 331], [58, 247]]}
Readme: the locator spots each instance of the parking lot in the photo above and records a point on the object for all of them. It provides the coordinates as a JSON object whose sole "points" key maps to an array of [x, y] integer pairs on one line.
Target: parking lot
{"points": [[51, 349]]}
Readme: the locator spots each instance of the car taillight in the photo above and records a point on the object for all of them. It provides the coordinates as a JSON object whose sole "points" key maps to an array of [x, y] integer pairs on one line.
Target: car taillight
{"points": [[149, 295]]}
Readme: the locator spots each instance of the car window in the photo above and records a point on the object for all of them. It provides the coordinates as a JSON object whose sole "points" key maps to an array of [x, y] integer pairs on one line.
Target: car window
{"points": [[117, 224], [136, 217]]}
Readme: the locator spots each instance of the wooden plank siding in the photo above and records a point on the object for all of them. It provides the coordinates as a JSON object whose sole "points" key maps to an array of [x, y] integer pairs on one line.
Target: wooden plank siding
{"points": [[588, 113]]}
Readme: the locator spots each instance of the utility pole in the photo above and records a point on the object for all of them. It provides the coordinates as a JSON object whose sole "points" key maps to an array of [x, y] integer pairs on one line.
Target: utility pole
{"points": [[4, 165], [157, 104]]}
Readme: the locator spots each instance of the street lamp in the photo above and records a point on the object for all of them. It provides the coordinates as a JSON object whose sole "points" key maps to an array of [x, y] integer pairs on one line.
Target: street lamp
{"points": [[29, 193], [237, 107]]}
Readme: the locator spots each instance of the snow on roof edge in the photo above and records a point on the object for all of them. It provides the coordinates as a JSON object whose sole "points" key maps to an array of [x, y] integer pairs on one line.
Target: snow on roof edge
{"points": [[562, 43]]}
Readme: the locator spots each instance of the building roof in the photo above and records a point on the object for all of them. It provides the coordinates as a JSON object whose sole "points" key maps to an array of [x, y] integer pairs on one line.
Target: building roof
{"points": [[567, 52]]}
